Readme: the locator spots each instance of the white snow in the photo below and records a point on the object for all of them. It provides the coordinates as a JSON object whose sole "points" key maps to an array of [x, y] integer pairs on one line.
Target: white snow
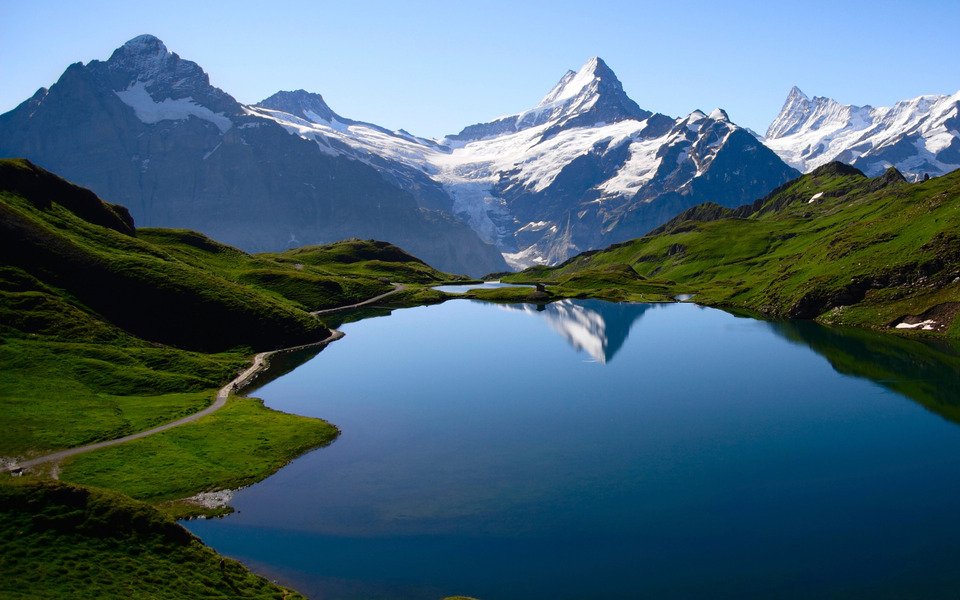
{"points": [[150, 111], [527, 257], [810, 133], [927, 325], [538, 226], [815, 197]]}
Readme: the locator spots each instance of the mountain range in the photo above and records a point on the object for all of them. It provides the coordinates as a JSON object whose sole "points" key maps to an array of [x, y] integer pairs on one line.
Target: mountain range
{"points": [[585, 168], [145, 129], [918, 137]]}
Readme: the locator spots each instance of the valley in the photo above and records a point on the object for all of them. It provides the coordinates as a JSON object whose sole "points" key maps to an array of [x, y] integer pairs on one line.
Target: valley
{"points": [[705, 347]]}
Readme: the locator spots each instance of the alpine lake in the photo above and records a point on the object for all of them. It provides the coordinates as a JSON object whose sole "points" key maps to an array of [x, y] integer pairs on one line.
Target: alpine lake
{"points": [[584, 449]]}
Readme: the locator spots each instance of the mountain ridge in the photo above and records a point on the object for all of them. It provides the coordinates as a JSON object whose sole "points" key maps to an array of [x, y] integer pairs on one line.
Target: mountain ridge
{"points": [[584, 168], [919, 136], [146, 127]]}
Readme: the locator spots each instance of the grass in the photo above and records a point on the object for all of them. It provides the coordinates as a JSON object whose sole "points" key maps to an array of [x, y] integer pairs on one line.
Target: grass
{"points": [[60, 395], [105, 331], [236, 446], [62, 541]]}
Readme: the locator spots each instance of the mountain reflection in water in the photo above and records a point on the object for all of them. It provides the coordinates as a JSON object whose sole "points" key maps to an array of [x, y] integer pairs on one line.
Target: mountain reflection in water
{"points": [[593, 326], [925, 371]]}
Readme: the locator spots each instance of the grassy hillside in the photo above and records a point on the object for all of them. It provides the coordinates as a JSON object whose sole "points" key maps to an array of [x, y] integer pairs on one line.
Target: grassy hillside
{"points": [[55, 254], [832, 245], [62, 541]]}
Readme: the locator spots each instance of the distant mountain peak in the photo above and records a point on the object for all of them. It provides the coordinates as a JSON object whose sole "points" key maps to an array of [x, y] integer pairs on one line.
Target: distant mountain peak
{"points": [[145, 43], [590, 75], [145, 75], [144, 55], [301, 103], [719, 114], [796, 93], [587, 97]]}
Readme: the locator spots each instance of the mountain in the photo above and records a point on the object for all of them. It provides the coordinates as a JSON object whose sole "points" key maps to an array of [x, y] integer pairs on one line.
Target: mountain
{"points": [[147, 130], [584, 168], [71, 263], [918, 137]]}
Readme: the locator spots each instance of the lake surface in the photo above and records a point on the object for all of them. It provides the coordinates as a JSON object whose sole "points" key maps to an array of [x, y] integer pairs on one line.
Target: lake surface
{"points": [[486, 285], [596, 450]]}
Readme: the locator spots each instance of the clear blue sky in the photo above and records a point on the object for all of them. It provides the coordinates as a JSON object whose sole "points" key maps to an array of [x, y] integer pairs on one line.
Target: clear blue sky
{"points": [[434, 67]]}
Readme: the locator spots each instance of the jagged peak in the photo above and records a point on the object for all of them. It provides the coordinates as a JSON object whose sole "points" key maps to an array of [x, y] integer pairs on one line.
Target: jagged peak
{"points": [[792, 114], [573, 84], [796, 94], [140, 49], [586, 97], [146, 58], [145, 43], [719, 114]]}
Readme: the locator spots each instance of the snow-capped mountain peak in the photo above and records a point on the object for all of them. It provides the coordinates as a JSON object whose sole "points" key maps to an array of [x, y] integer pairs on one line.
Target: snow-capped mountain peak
{"points": [[301, 103], [573, 83], [719, 114], [146, 58], [160, 86], [589, 96]]}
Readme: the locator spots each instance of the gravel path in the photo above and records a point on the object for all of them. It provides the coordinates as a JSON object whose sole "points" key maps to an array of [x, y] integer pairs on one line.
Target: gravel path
{"points": [[259, 363], [397, 287]]}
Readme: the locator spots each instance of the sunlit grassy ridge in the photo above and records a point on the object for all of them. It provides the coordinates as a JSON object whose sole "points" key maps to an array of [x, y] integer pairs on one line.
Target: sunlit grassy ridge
{"points": [[832, 245]]}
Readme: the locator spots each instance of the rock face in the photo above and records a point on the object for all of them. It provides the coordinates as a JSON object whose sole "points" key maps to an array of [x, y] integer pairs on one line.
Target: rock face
{"points": [[147, 130], [585, 168], [917, 137]]}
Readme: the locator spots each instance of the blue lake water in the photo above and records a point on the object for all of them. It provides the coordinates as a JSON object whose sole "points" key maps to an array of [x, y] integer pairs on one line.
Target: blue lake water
{"points": [[466, 287], [596, 450]]}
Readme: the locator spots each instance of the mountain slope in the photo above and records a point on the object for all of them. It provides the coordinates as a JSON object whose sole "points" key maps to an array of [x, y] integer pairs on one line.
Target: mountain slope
{"points": [[832, 245], [918, 137], [53, 243], [146, 129]]}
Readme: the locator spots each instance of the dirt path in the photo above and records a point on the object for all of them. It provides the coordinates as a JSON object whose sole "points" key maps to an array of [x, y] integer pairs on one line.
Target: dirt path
{"points": [[397, 287], [259, 363]]}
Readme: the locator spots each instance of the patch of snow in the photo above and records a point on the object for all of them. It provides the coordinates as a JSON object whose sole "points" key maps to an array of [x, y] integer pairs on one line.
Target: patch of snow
{"points": [[525, 258], [928, 325], [815, 197], [150, 111], [538, 226]]}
